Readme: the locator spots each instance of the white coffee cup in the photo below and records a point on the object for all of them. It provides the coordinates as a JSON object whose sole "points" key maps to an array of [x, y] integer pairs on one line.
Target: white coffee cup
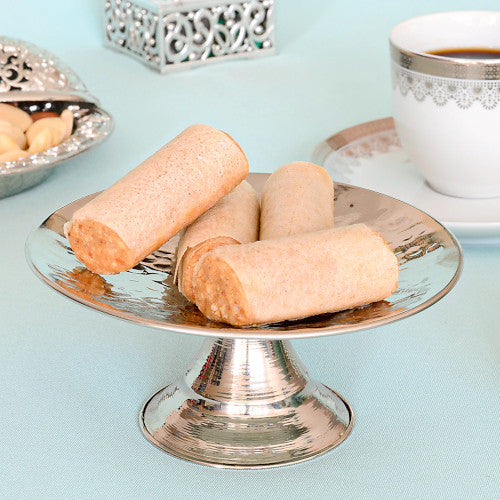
{"points": [[447, 109]]}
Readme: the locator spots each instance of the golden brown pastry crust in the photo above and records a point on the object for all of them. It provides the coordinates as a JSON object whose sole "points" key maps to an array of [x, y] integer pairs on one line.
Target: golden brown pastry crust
{"points": [[191, 258], [232, 220], [158, 198], [296, 199], [295, 277], [218, 279]]}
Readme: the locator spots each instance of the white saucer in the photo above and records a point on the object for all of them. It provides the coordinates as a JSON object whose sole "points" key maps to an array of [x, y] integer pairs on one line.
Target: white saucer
{"points": [[369, 155]]}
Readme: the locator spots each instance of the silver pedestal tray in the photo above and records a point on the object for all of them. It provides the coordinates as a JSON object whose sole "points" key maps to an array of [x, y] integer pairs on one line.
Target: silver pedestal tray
{"points": [[35, 80], [248, 401]]}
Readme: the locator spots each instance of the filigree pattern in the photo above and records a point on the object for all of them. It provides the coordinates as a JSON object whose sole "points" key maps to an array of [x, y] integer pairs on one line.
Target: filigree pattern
{"points": [[133, 28], [223, 30], [443, 90], [166, 37], [26, 67]]}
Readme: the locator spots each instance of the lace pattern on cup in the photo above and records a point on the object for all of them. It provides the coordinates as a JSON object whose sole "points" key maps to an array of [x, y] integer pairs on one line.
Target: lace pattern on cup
{"points": [[443, 90]]}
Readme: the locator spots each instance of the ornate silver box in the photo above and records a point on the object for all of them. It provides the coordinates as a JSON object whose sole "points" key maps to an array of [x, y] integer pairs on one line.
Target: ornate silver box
{"points": [[177, 34]]}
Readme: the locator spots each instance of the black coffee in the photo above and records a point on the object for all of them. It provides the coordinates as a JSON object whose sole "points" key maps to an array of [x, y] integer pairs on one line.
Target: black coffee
{"points": [[468, 53]]}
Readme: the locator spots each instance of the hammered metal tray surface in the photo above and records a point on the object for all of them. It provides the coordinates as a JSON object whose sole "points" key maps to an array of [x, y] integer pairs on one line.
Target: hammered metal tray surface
{"points": [[35, 80], [430, 261]]}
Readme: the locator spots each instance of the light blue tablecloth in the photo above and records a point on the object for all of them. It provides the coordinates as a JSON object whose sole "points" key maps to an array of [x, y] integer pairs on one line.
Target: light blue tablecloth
{"points": [[424, 390]]}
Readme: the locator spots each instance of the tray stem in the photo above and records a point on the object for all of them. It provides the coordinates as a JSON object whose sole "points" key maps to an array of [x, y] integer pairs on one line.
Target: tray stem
{"points": [[246, 404]]}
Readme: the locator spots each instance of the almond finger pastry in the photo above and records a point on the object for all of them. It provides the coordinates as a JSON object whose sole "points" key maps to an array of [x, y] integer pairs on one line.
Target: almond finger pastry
{"points": [[295, 277], [165, 193], [232, 220], [296, 199]]}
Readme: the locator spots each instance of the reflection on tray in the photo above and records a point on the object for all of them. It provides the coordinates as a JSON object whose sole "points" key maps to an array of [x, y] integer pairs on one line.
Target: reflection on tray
{"points": [[86, 285], [429, 259]]}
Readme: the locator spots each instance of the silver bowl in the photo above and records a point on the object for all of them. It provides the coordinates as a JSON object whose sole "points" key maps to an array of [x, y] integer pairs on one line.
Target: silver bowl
{"points": [[35, 80]]}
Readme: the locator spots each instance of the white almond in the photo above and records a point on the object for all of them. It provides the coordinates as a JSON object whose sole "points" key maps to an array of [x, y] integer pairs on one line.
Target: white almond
{"points": [[68, 118], [7, 143], [54, 123], [12, 155], [45, 139], [16, 116], [14, 132]]}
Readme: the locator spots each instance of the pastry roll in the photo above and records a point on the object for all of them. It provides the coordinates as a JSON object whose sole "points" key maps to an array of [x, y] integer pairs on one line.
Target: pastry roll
{"points": [[232, 220], [297, 198], [295, 277], [140, 212]]}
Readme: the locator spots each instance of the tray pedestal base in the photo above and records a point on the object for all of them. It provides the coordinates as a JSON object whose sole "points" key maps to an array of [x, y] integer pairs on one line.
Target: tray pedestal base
{"points": [[246, 404]]}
